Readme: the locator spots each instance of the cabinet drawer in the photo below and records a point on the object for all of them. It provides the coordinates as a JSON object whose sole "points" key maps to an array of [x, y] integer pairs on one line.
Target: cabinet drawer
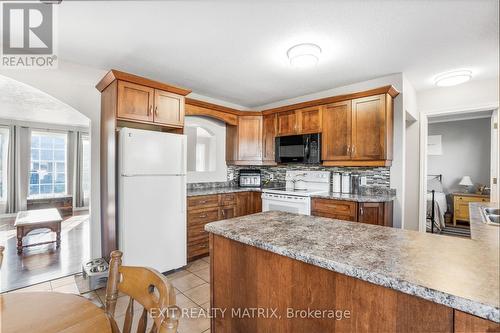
{"points": [[203, 216], [198, 249], [196, 233], [336, 209], [227, 199], [202, 201]]}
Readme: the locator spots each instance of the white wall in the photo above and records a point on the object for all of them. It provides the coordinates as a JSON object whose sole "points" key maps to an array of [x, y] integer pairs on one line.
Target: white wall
{"points": [[473, 95], [397, 169], [218, 129], [75, 86]]}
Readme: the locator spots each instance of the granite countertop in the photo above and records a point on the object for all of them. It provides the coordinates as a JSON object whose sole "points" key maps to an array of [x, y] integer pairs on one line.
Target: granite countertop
{"points": [[460, 273], [326, 195], [356, 197], [220, 190]]}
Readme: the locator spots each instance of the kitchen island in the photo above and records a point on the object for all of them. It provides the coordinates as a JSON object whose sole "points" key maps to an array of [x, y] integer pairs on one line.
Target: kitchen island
{"points": [[316, 274]]}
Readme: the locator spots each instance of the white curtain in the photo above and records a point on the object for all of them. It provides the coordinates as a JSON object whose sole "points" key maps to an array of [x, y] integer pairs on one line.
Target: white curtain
{"points": [[71, 164], [21, 170]]}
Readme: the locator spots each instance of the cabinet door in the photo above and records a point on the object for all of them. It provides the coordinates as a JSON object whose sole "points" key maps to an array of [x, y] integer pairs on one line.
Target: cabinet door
{"points": [[243, 203], [256, 202], [309, 120], [287, 123], [268, 135], [371, 213], [336, 135], [369, 128], [168, 108], [250, 138], [135, 102], [227, 212]]}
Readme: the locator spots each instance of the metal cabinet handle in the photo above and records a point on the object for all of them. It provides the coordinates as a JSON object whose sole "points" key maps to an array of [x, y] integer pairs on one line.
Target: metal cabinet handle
{"points": [[149, 110], [156, 111], [203, 216], [348, 149], [361, 210], [203, 202], [353, 149]]}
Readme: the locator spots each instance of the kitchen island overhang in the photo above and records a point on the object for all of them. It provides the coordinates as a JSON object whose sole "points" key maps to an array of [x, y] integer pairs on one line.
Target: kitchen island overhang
{"points": [[387, 278]]}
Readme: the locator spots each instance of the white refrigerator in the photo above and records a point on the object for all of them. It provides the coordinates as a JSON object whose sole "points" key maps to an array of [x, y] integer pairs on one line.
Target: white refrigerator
{"points": [[152, 199]]}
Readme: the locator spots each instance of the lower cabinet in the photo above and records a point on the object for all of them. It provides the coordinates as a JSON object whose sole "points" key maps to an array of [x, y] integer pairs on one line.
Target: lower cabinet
{"points": [[209, 208], [379, 213]]}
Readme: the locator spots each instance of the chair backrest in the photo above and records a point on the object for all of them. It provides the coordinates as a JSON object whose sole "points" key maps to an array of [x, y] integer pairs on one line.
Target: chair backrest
{"points": [[1, 255], [149, 288]]}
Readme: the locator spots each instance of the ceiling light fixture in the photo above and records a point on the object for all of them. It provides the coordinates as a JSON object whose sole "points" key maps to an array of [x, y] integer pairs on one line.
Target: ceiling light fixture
{"points": [[304, 55], [452, 78]]}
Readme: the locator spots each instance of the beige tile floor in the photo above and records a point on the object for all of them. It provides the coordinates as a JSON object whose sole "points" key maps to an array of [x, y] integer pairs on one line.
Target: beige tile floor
{"points": [[192, 286]]}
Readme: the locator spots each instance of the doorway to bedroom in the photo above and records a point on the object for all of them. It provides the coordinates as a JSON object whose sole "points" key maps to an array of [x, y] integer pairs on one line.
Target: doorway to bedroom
{"points": [[461, 155]]}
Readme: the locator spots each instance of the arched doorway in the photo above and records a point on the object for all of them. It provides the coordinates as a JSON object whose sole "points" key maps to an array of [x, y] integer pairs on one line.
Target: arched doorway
{"points": [[44, 164]]}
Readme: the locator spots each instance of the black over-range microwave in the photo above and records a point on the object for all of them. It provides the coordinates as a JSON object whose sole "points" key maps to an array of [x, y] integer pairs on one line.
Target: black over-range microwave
{"points": [[304, 148]]}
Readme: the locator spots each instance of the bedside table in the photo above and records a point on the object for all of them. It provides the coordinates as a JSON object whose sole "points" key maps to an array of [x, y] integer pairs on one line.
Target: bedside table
{"points": [[461, 205]]}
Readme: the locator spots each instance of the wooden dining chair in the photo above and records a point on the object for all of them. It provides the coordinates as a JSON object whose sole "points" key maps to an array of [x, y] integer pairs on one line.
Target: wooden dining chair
{"points": [[149, 288], [1, 255]]}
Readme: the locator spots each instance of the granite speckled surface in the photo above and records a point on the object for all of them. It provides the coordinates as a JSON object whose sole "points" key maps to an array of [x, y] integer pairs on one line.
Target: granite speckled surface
{"points": [[356, 197], [329, 195], [459, 273]]}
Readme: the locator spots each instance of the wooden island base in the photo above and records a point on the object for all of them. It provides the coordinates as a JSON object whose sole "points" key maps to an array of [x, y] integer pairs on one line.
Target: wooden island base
{"points": [[245, 277]]}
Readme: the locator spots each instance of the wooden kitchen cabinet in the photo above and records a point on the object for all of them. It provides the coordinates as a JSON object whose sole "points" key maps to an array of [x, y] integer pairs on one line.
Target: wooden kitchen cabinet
{"points": [[358, 132], [335, 209], [135, 101], [244, 141], [168, 108], [379, 213], [371, 128], [287, 123], [309, 120], [336, 137], [301, 121], [269, 123], [209, 208]]}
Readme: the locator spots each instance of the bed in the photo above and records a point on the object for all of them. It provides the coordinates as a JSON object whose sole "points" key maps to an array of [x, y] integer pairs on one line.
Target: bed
{"points": [[436, 204]]}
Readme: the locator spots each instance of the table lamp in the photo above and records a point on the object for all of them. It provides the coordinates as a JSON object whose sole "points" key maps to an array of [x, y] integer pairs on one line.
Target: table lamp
{"points": [[466, 182]]}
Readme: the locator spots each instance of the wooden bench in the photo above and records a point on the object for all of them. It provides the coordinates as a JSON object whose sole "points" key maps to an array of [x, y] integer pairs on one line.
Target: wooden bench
{"points": [[30, 220]]}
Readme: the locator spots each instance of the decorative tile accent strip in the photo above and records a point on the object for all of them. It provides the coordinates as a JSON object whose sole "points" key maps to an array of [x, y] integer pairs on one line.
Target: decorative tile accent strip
{"points": [[379, 177]]}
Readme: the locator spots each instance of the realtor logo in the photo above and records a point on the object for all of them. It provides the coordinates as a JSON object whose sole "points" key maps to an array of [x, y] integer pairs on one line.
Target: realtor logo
{"points": [[28, 35]]}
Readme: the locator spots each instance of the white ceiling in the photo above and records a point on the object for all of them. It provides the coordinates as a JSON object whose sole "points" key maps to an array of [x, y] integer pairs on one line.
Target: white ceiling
{"points": [[21, 102], [236, 50]]}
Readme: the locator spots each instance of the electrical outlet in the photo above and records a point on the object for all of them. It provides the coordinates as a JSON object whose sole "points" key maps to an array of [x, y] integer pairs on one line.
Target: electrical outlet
{"points": [[363, 180], [231, 176], [271, 177]]}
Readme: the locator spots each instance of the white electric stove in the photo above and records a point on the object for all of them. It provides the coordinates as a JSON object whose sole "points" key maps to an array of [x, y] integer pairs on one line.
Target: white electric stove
{"points": [[296, 196]]}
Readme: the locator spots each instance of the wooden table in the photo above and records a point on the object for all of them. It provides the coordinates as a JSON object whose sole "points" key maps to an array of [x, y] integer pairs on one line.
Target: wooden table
{"points": [[50, 312], [30, 220]]}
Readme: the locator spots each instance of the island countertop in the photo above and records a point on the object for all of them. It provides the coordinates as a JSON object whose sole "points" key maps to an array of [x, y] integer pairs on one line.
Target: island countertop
{"points": [[459, 273]]}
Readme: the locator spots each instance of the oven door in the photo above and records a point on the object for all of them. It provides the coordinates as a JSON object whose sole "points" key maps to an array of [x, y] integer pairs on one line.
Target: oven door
{"points": [[286, 203]]}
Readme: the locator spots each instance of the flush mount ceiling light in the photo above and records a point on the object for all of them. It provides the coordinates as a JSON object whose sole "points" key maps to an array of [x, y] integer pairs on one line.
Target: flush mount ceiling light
{"points": [[304, 55], [452, 78]]}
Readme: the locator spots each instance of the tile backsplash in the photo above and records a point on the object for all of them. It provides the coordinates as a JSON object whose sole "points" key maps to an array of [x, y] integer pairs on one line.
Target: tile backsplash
{"points": [[377, 177]]}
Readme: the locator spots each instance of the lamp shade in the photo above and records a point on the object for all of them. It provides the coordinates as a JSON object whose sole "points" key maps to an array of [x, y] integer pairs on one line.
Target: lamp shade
{"points": [[466, 181]]}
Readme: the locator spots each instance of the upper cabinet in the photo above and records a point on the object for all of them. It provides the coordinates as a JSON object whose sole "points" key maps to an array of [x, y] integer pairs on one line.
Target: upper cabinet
{"points": [[135, 102], [244, 141], [301, 121], [287, 123], [142, 100], [336, 137], [269, 123], [168, 108], [358, 132]]}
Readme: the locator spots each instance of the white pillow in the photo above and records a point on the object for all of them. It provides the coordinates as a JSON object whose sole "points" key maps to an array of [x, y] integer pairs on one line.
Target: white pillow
{"points": [[434, 184]]}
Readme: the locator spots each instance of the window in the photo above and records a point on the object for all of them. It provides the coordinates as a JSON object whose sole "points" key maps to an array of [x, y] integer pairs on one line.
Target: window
{"points": [[86, 168], [4, 147], [48, 174]]}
